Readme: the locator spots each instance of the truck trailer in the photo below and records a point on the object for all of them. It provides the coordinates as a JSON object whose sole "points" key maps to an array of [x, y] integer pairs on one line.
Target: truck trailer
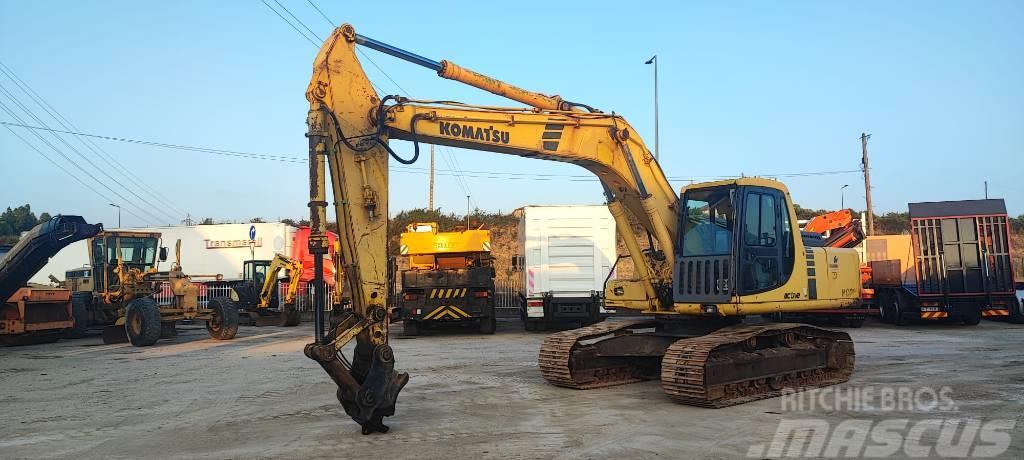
{"points": [[955, 265], [565, 256]]}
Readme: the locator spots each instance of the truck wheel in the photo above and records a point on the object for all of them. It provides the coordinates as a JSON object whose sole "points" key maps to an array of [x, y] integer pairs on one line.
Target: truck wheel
{"points": [[971, 317], [410, 328], [224, 323], [488, 325], [894, 309], [80, 314], [886, 309], [1016, 311], [142, 322], [530, 326]]}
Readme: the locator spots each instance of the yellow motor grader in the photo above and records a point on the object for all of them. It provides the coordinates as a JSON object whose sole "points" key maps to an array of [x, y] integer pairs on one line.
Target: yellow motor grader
{"points": [[126, 284]]}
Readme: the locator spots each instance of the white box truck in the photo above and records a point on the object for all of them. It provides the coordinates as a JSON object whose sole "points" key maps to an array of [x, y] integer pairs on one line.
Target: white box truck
{"points": [[565, 256]]}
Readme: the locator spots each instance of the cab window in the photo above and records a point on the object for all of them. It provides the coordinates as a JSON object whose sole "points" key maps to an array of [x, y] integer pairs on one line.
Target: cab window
{"points": [[707, 223], [759, 221]]}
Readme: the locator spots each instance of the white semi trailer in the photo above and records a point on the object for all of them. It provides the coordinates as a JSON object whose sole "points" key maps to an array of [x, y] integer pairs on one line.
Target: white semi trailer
{"points": [[565, 255], [219, 249]]}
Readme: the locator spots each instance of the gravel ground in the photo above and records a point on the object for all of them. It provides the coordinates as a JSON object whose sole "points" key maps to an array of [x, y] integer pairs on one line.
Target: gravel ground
{"points": [[477, 397]]}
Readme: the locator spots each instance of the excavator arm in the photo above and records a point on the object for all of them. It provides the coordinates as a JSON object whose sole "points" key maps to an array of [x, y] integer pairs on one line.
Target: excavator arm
{"points": [[294, 269], [349, 127]]}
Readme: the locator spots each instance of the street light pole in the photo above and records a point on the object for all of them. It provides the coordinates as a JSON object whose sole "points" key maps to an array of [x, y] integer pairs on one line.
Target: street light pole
{"points": [[118, 214], [654, 60], [842, 196]]}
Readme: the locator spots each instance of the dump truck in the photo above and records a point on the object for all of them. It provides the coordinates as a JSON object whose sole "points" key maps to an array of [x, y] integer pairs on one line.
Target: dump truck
{"points": [[954, 265], [38, 313], [123, 281], [565, 256], [450, 280]]}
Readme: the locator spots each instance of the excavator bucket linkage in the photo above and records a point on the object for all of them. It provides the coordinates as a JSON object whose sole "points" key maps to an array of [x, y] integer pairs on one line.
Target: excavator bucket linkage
{"points": [[368, 387]]}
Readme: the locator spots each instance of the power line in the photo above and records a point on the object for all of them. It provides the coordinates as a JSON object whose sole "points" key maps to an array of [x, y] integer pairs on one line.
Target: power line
{"points": [[58, 165], [289, 22], [230, 153], [91, 163], [303, 24], [451, 171], [69, 160], [63, 121], [329, 21]]}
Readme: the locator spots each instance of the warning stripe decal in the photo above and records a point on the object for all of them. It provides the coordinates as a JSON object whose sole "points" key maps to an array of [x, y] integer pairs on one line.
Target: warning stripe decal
{"points": [[447, 311], [448, 293]]}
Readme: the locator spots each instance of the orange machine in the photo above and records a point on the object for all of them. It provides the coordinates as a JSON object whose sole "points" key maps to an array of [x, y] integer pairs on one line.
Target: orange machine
{"points": [[839, 229], [36, 314]]}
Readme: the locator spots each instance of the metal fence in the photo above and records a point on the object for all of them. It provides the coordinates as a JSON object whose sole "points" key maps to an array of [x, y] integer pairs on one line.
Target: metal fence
{"points": [[506, 293], [166, 297], [304, 296]]}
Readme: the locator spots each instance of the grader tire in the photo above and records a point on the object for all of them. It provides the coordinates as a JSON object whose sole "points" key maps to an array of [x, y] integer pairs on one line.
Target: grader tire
{"points": [[142, 322], [224, 324]]}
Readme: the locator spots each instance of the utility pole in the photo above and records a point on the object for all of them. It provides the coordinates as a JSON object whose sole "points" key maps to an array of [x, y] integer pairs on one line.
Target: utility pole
{"points": [[654, 60], [986, 190], [431, 202], [467, 211], [867, 181]]}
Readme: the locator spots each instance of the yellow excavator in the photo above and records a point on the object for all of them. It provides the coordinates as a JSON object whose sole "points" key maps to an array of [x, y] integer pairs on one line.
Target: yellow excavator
{"points": [[257, 294], [705, 258]]}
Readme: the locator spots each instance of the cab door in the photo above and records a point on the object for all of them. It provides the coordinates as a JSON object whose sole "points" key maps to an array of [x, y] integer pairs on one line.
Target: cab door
{"points": [[764, 241], [704, 252]]}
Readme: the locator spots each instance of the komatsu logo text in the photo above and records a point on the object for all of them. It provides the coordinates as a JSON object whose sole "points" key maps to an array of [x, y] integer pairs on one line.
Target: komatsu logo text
{"points": [[488, 134]]}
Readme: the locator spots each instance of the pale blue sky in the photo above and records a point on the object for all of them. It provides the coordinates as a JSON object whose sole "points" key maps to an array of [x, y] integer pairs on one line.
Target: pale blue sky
{"points": [[746, 87]]}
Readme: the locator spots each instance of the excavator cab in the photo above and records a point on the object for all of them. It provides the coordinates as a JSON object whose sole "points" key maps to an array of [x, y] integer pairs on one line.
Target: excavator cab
{"points": [[735, 240]]}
